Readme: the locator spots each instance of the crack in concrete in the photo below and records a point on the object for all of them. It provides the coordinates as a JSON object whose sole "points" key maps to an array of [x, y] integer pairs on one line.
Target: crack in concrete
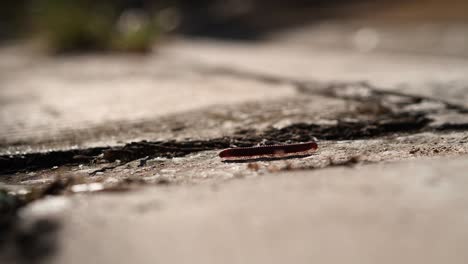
{"points": [[386, 112], [359, 90], [300, 132]]}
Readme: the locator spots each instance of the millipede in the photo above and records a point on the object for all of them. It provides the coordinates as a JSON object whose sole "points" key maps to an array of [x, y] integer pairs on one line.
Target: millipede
{"points": [[269, 150]]}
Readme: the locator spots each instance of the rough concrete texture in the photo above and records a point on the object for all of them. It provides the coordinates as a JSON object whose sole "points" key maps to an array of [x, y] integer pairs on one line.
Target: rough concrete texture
{"points": [[407, 212], [114, 158]]}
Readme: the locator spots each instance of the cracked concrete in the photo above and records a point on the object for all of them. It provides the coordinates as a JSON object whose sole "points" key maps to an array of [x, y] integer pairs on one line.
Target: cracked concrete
{"points": [[366, 112], [101, 138]]}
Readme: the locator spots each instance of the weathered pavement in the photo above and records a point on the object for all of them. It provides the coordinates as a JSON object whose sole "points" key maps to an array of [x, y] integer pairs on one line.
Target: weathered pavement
{"points": [[411, 212], [120, 154]]}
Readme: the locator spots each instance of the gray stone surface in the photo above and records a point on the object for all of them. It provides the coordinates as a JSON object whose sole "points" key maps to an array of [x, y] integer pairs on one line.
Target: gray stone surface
{"points": [[387, 184], [103, 100], [406, 212]]}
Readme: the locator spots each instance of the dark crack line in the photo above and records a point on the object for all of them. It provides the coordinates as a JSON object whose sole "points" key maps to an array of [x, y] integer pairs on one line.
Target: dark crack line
{"points": [[299, 132], [392, 120], [328, 89], [106, 168]]}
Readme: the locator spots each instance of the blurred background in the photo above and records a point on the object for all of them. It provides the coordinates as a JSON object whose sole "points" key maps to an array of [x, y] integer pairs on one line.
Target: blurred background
{"points": [[47, 97], [140, 25]]}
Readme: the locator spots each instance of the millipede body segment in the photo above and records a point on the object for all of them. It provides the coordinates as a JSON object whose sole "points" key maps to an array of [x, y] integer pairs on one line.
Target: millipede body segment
{"points": [[272, 150]]}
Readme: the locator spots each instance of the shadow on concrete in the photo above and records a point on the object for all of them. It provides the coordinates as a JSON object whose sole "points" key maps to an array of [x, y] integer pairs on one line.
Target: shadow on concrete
{"points": [[267, 158], [27, 240]]}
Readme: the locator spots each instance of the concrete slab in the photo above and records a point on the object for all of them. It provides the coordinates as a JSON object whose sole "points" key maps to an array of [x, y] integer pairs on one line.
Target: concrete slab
{"points": [[406, 212]]}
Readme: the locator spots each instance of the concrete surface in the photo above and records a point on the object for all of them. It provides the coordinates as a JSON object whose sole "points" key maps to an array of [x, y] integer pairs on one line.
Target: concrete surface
{"points": [[116, 156], [406, 212]]}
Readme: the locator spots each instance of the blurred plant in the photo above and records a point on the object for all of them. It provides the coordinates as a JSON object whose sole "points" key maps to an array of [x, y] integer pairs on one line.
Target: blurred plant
{"points": [[77, 25], [68, 25], [134, 32]]}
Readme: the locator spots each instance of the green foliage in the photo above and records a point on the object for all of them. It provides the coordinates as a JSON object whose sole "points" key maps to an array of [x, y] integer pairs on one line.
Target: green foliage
{"points": [[77, 25], [135, 32]]}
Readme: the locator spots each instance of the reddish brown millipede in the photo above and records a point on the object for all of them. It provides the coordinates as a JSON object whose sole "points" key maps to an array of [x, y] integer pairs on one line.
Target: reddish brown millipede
{"points": [[272, 150]]}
